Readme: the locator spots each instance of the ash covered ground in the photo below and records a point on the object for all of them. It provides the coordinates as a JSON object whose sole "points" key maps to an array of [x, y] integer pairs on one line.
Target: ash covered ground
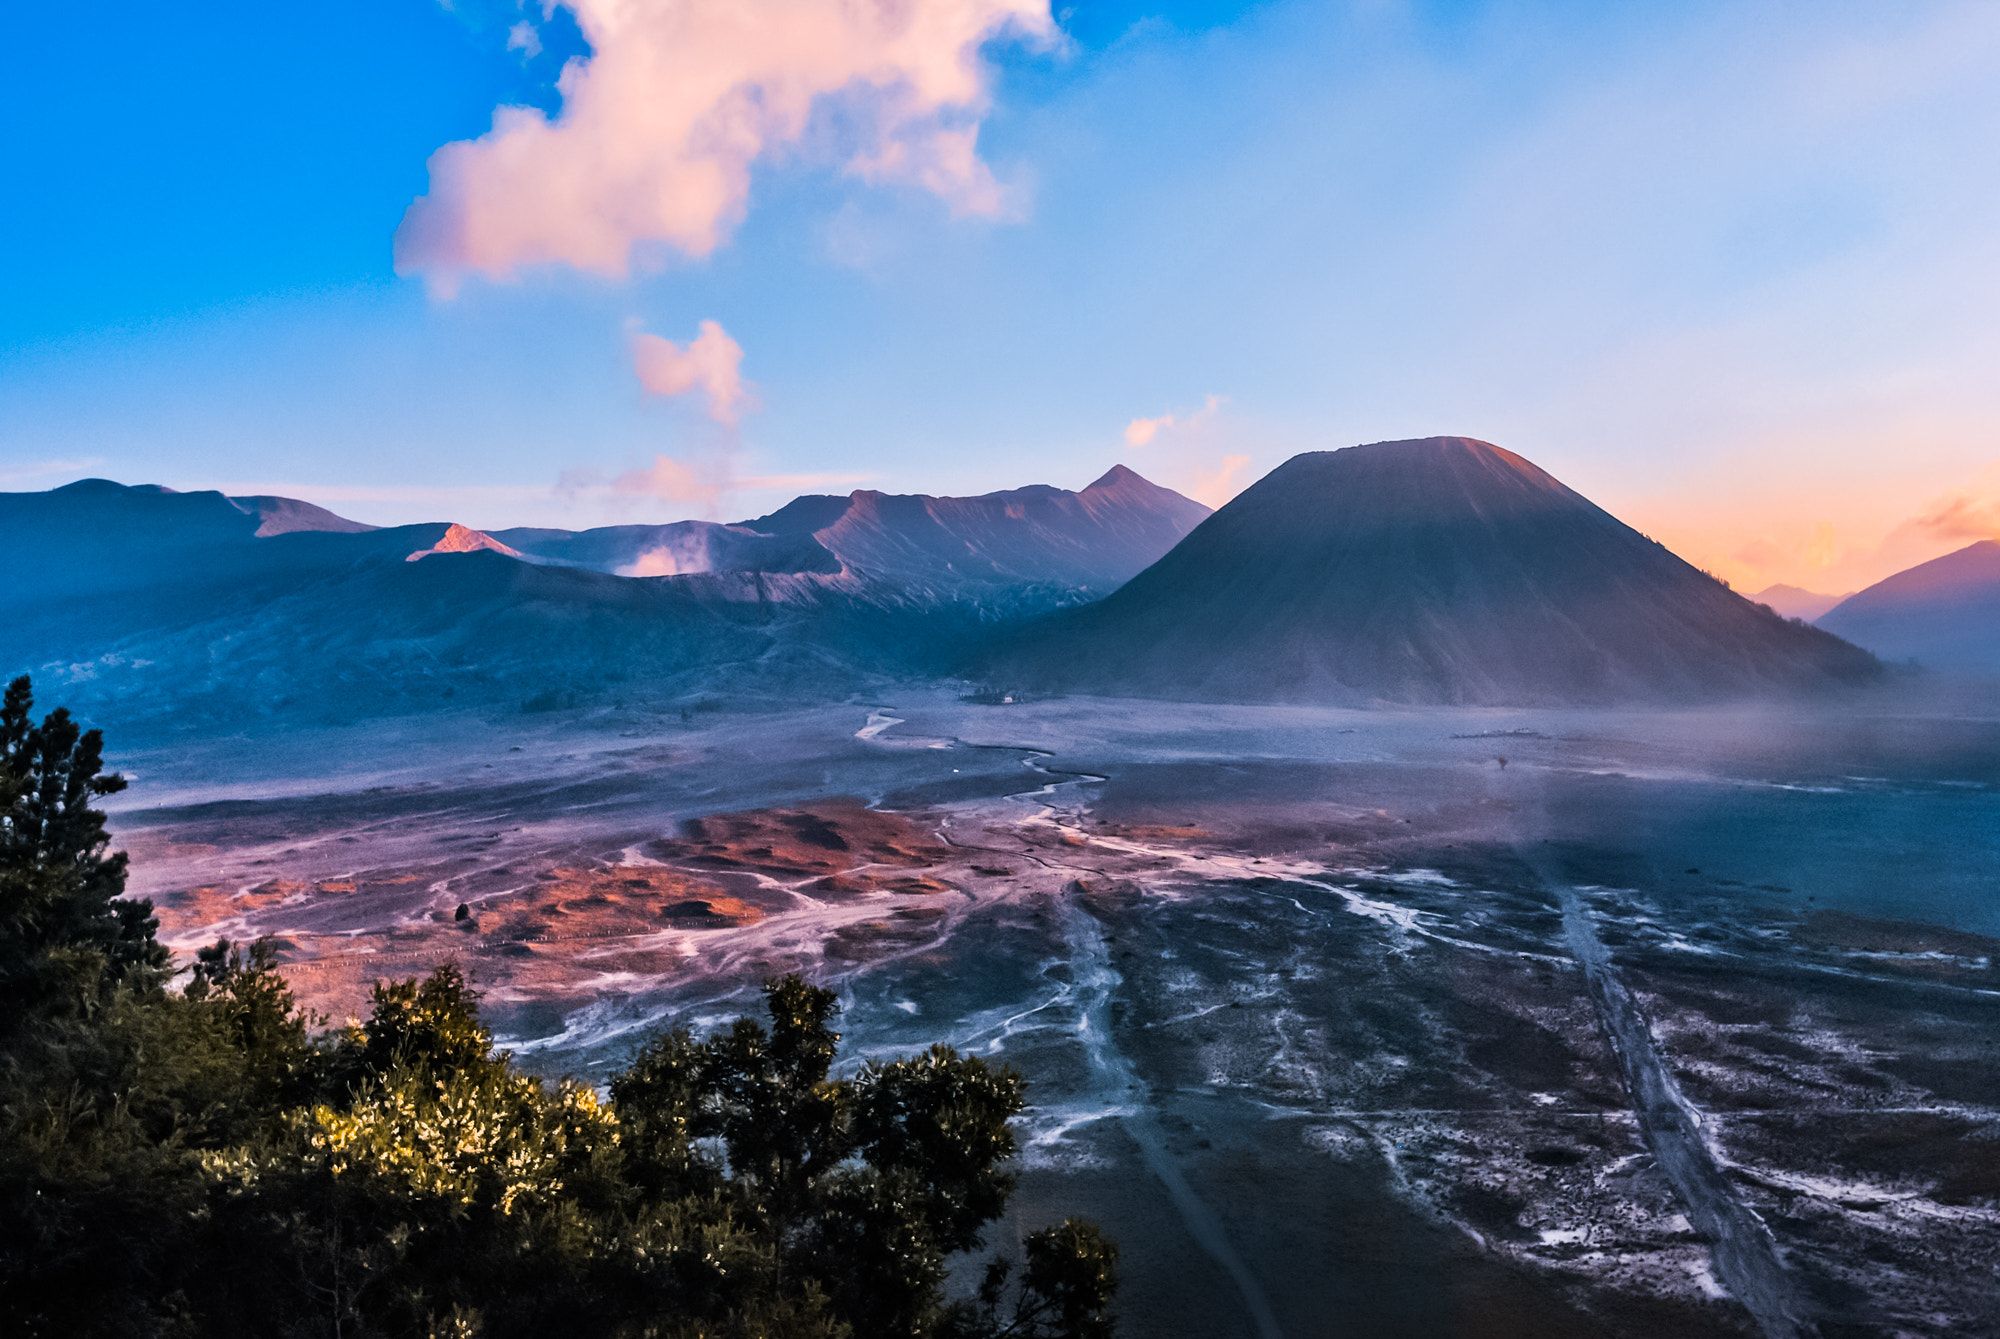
{"points": [[1321, 1010]]}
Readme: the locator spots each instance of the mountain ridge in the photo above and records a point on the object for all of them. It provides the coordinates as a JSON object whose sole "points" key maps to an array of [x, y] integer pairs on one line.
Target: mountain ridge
{"points": [[1944, 613], [1444, 570], [1797, 601], [139, 598]]}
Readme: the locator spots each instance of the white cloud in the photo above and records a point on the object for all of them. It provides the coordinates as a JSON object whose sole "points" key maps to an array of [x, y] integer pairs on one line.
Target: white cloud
{"points": [[710, 363], [523, 38], [661, 125], [43, 469]]}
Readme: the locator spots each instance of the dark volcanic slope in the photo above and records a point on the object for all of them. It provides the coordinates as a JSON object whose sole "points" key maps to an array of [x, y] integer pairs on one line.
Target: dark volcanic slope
{"points": [[1943, 613], [1439, 570]]}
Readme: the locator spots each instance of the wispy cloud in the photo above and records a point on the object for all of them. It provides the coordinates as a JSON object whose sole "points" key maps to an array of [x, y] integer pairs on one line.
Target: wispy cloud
{"points": [[1823, 556], [523, 38], [1961, 514], [1142, 431], [711, 363], [666, 560], [698, 483], [441, 495], [670, 480], [581, 497], [29, 471], [661, 125], [768, 483], [1181, 450]]}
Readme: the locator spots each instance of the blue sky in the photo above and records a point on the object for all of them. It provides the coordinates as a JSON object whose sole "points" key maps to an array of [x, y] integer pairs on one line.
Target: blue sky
{"points": [[1731, 270]]}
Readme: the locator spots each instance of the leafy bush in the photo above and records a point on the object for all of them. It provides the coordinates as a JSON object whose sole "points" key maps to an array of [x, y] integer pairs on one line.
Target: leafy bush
{"points": [[205, 1161]]}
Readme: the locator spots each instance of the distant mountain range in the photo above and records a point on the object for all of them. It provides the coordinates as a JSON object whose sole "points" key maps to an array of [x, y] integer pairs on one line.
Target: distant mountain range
{"points": [[152, 602], [1440, 570], [1797, 602], [1024, 546], [1944, 614], [1437, 570]]}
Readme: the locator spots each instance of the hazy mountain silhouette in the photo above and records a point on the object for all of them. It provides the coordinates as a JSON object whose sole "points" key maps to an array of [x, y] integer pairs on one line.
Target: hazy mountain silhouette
{"points": [[1034, 545], [1944, 613], [157, 601], [1797, 601], [1094, 540], [1440, 570], [117, 559]]}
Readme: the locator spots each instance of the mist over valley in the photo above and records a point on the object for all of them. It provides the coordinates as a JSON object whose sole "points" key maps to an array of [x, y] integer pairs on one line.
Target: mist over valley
{"points": [[1408, 843]]}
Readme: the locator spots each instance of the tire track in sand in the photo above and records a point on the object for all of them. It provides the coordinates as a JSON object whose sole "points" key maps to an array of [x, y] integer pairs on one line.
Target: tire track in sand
{"points": [[1096, 981], [1742, 1248], [1117, 1079]]}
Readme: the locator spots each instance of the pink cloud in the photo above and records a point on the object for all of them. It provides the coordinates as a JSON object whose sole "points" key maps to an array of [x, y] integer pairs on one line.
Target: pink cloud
{"points": [[673, 480], [660, 126], [711, 363], [698, 483], [1862, 550], [1214, 487], [1141, 431], [1961, 514]]}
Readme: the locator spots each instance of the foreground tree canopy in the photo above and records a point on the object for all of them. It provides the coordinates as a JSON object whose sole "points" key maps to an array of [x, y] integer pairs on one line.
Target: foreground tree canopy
{"points": [[199, 1158]]}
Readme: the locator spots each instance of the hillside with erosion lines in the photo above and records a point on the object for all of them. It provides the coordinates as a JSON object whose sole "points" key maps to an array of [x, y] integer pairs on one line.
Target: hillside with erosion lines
{"points": [[1442, 570]]}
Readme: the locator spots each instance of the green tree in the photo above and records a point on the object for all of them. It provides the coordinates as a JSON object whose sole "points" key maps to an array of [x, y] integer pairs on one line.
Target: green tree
{"points": [[1065, 1291], [66, 932], [660, 1100], [932, 1140], [783, 1123], [105, 1116], [862, 1189], [434, 1186], [430, 1026], [202, 1161], [266, 1036]]}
